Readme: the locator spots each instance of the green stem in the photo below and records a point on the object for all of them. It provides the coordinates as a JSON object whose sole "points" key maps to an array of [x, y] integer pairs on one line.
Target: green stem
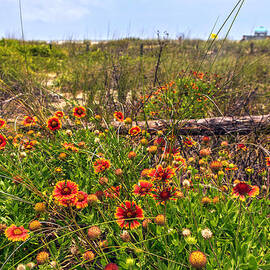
{"points": [[237, 242], [214, 254]]}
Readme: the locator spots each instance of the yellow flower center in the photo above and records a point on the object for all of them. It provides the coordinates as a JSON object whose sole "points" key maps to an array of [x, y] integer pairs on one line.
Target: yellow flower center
{"points": [[17, 231]]}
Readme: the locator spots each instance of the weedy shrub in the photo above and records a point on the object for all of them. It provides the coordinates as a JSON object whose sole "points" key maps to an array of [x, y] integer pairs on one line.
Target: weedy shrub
{"points": [[189, 96]]}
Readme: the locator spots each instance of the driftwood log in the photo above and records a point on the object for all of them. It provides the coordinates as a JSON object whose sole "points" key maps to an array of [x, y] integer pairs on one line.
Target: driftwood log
{"points": [[208, 126]]}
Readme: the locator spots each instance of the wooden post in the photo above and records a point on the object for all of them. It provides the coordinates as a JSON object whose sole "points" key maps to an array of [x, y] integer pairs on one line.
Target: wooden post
{"points": [[141, 50], [87, 47], [251, 48]]}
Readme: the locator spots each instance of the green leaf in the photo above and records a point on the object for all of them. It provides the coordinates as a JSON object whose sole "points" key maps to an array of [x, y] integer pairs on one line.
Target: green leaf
{"points": [[252, 262]]}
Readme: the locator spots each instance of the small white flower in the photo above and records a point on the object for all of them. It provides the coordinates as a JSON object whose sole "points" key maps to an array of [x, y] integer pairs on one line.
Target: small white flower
{"points": [[30, 265], [23, 154], [164, 164], [174, 163], [186, 183], [186, 232], [53, 264], [206, 233], [21, 267], [69, 132], [97, 140]]}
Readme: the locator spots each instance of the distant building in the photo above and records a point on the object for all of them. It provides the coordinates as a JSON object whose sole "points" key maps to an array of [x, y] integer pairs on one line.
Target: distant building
{"points": [[259, 33]]}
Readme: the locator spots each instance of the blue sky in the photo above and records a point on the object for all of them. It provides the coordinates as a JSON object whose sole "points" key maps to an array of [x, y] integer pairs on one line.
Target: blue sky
{"points": [[102, 19]]}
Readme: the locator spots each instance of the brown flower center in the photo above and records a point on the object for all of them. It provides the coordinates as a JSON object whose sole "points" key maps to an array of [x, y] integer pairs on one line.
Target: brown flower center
{"points": [[129, 214], [17, 231], [80, 197], [79, 111], [243, 188], [54, 123], [165, 195], [66, 191], [165, 175]]}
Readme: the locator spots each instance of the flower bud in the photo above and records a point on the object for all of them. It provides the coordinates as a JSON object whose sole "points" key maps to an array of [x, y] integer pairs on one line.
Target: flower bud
{"points": [[160, 220], [42, 257], [103, 180], [191, 240], [130, 262], [132, 155], [119, 172], [144, 141], [128, 121], [146, 222], [40, 207], [94, 232], [125, 236], [197, 259], [152, 149], [34, 225], [88, 255]]}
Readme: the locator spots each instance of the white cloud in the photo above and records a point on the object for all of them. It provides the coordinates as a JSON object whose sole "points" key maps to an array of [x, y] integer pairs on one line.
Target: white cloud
{"points": [[52, 11]]}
